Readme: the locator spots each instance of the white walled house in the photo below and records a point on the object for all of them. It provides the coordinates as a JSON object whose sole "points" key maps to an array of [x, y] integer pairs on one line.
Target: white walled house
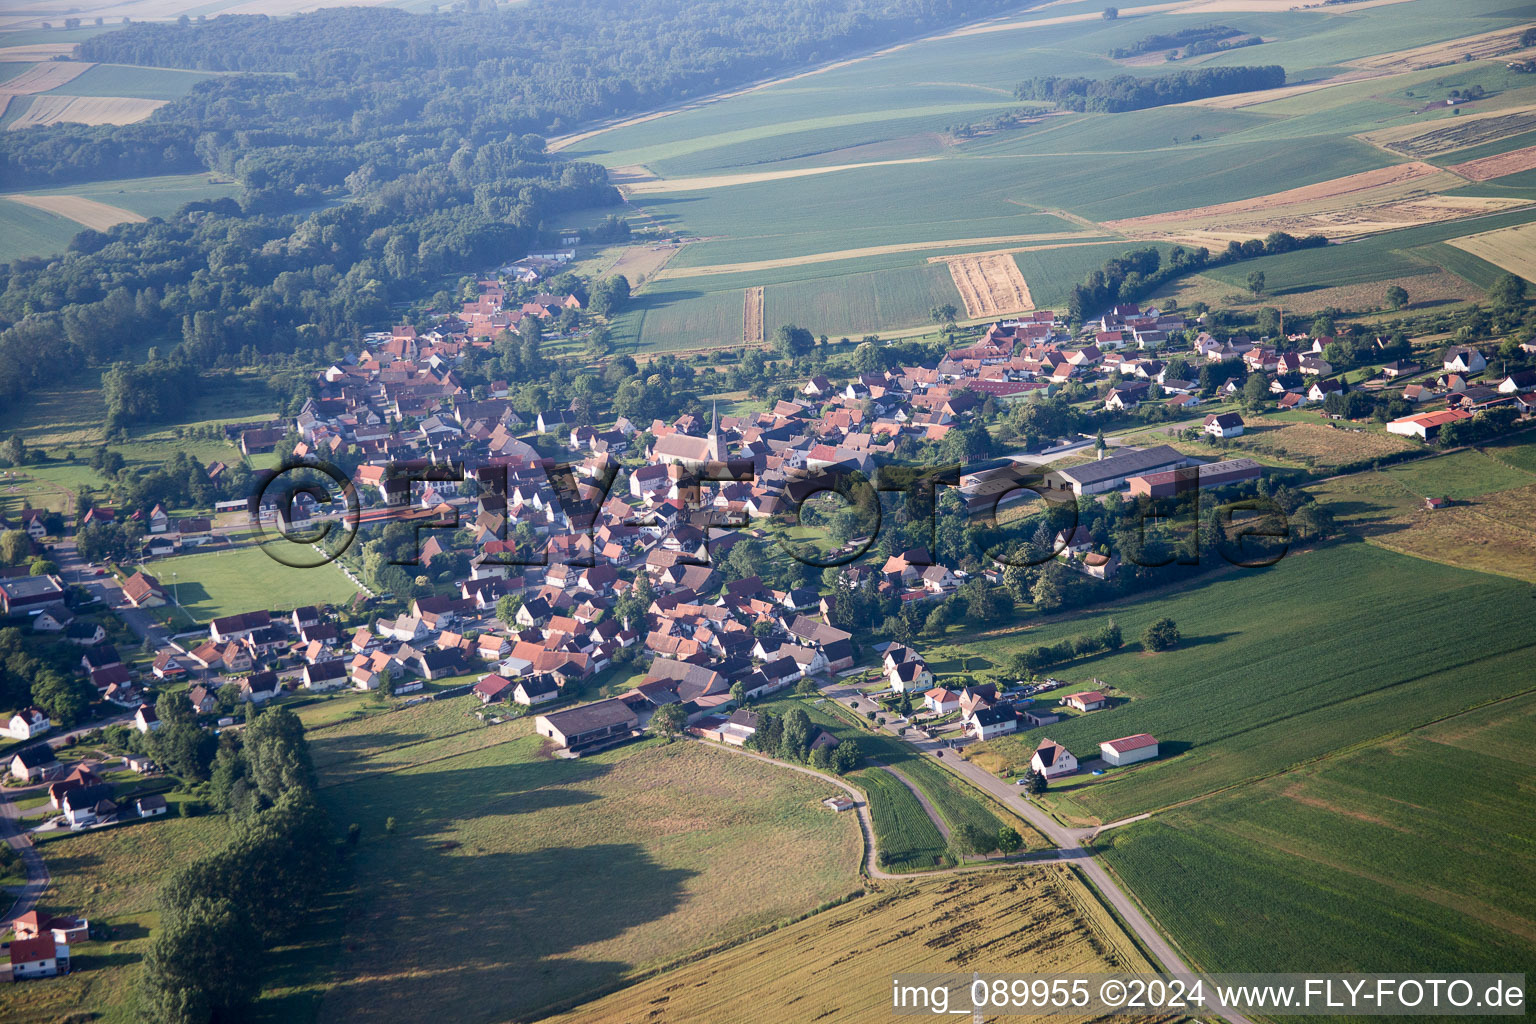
{"points": [[987, 723], [1052, 759], [26, 723]]}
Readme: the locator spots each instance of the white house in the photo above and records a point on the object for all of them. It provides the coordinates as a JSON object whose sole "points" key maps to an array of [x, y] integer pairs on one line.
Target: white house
{"points": [[145, 720], [1464, 359], [986, 723], [941, 701], [39, 957], [1052, 759], [26, 723], [1087, 700], [1226, 424]]}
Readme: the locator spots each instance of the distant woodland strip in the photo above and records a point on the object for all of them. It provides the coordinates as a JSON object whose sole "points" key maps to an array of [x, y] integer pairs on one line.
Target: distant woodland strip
{"points": [[1133, 92]]}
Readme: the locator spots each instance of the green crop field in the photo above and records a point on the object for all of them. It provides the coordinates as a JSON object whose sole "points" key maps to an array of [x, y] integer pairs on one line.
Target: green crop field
{"points": [[862, 303], [1395, 857], [639, 854], [905, 835], [244, 579], [956, 802], [125, 80], [1324, 649], [679, 316], [907, 104], [25, 231]]}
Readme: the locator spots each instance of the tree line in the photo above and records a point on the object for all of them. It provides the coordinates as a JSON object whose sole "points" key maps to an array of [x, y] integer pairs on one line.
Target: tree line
{"points": [[221, 912], [1129, 277], [1133, 92]]}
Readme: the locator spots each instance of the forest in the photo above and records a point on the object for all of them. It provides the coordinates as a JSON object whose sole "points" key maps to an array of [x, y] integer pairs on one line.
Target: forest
{"points": [[414, 136], [1132, 92]]}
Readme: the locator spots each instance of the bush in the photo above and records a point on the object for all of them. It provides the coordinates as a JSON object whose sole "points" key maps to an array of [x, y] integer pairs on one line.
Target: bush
{"points": [[1162, 635]]}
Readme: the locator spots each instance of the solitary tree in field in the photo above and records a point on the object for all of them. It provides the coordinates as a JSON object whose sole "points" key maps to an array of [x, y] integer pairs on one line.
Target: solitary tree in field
{"points": [[944, 314], [1256, 282], [1397, 297], [1111, 13], [1161, 635]]}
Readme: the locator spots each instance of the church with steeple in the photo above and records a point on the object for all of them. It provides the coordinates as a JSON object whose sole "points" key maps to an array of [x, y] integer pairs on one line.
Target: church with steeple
{"points": [[692, 452]]}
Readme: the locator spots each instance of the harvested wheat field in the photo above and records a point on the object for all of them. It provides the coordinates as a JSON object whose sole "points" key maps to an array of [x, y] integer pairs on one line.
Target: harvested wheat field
{"points": [[755, 266], [1359, 204], [1450, 134], [85, 110], [35, 52], [1512, 249], [641, 263], [837, 965], [990, 283], [1480, 47], [90, 213], [751, 177], [1498, 165], [48, 75], [752, 316]]}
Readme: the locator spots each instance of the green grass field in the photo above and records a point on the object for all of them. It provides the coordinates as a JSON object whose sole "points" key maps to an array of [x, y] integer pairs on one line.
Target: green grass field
{"points": [[1396, 857], [110, 877], [1463, 474], [540, 879], [1278, 666], [225, 583]]}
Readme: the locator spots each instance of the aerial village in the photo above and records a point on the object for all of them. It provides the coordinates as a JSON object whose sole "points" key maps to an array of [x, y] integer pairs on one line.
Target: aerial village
{"points": [[592, 593]]}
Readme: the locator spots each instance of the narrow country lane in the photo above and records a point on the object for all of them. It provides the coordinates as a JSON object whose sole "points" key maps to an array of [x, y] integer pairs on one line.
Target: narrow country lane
{"points": [[1071, 843]]}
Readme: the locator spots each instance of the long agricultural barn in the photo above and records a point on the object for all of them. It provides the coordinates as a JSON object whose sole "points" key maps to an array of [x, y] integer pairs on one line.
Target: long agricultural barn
{"points": [[1205, 477], [1129, 749], [1111, 473]]}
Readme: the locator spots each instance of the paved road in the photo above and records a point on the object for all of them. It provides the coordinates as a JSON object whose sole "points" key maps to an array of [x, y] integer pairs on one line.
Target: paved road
{"points": [[38, 878], [1073, 844]]}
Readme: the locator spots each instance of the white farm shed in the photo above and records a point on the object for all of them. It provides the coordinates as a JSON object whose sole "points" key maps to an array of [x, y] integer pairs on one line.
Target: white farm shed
{"points": [[1129, 749]]}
